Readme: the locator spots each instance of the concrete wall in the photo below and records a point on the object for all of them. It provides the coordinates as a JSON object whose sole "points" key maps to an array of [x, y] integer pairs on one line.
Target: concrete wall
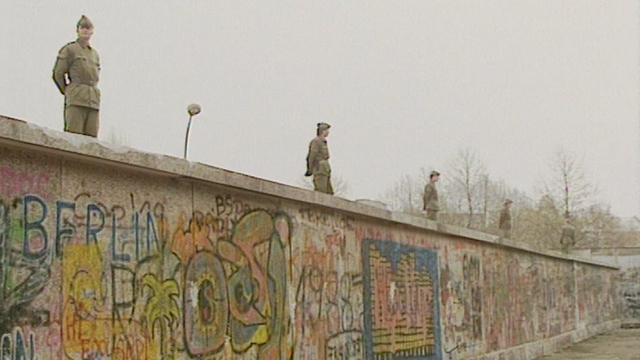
{"points": [[109, 253], [628, 282]]}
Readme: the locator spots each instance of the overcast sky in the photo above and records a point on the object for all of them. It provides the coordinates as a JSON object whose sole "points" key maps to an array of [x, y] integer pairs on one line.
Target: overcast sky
{"points": [[405, 84]]}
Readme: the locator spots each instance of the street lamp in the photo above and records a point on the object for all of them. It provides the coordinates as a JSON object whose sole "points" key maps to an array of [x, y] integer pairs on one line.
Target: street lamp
{"points": [[193, 110]]}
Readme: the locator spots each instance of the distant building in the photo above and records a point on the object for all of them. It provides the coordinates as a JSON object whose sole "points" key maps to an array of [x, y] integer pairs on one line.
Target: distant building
{"points": [[621, 248]]}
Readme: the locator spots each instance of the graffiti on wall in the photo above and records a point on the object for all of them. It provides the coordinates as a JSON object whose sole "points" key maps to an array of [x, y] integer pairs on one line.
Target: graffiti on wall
{"points": [[19, 182], [22, 276], [17, 346], [508, 280], [82, 278], [629, 293], [539, 296], [534, 288], [132, 287], [401, 301], [560, 294], [597, 295], [241, 288], [461, 284], [328, 290]]}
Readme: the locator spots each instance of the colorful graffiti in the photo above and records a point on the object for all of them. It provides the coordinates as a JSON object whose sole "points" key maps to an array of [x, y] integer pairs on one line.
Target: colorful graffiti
{"points": [[16, 346], [125, 269], [19, 182], [329, 291], [22, 277], [401, 301], [629, 293], [540, 298], [597, 295], [462, 299], [133, 289], [241, 286], [206, 304], [561, 305]]}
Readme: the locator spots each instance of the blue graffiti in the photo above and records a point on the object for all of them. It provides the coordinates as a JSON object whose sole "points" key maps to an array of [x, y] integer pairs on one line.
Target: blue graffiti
{"points": [[35, 214], [14, 347]]}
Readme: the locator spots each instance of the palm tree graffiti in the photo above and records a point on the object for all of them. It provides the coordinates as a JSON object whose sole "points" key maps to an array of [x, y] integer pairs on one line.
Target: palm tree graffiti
{"points": [[17, 290], [163, 309]]}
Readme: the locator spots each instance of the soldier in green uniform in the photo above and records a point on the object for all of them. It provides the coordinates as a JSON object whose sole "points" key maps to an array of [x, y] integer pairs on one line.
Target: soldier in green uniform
{"points": [[568, 235], [430, 197], [76, 74], [318, 160], [505, 219]]}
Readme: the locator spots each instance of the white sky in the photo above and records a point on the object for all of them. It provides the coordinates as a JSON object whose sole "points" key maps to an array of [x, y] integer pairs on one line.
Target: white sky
{"points": [[405, 84]]}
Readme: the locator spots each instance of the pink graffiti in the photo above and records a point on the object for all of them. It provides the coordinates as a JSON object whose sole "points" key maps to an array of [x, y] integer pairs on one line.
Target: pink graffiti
{"points": [[16, 183]]}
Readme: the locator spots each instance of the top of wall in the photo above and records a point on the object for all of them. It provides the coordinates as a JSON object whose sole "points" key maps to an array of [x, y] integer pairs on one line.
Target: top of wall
{"points": [[20, 134]]}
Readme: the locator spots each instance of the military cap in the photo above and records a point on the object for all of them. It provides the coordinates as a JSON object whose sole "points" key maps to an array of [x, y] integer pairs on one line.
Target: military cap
{"points": [[508, 201], [434, 173], [84, 22], [323, 126]]}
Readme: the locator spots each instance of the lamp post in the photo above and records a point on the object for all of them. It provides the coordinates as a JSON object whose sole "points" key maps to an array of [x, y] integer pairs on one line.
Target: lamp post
{"points": [[193, 110]]}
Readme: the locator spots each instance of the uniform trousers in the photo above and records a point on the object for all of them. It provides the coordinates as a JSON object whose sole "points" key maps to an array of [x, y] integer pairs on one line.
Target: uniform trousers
{"points": [[322, 178], [81, 120]]}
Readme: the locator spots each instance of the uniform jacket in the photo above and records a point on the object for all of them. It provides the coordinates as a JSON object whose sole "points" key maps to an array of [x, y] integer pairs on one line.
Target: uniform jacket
{"points": [[76, 73], [430, 198], [505, 219], [317, 163]]}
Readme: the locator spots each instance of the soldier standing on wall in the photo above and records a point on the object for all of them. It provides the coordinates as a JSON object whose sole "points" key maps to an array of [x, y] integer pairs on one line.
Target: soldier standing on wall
{"points": [[318, 160], [430, 198], [505, 219], [76, 74], [568, 235]]}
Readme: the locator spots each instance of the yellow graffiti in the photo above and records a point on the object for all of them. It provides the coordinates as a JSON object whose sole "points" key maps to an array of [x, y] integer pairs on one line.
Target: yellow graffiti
{"points": [[85, 333]]}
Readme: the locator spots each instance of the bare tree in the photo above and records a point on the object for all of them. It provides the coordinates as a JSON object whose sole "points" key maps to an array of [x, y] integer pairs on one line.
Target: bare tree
{"points": [[564, 199], [470, 197], [467, 194], [494, 193], [597, 227], [566, 183], [542, 224], [465, 178], [406, 194]]}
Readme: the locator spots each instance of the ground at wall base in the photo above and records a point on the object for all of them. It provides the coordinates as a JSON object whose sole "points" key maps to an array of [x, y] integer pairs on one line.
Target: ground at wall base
{"points": [[622, 344]]}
